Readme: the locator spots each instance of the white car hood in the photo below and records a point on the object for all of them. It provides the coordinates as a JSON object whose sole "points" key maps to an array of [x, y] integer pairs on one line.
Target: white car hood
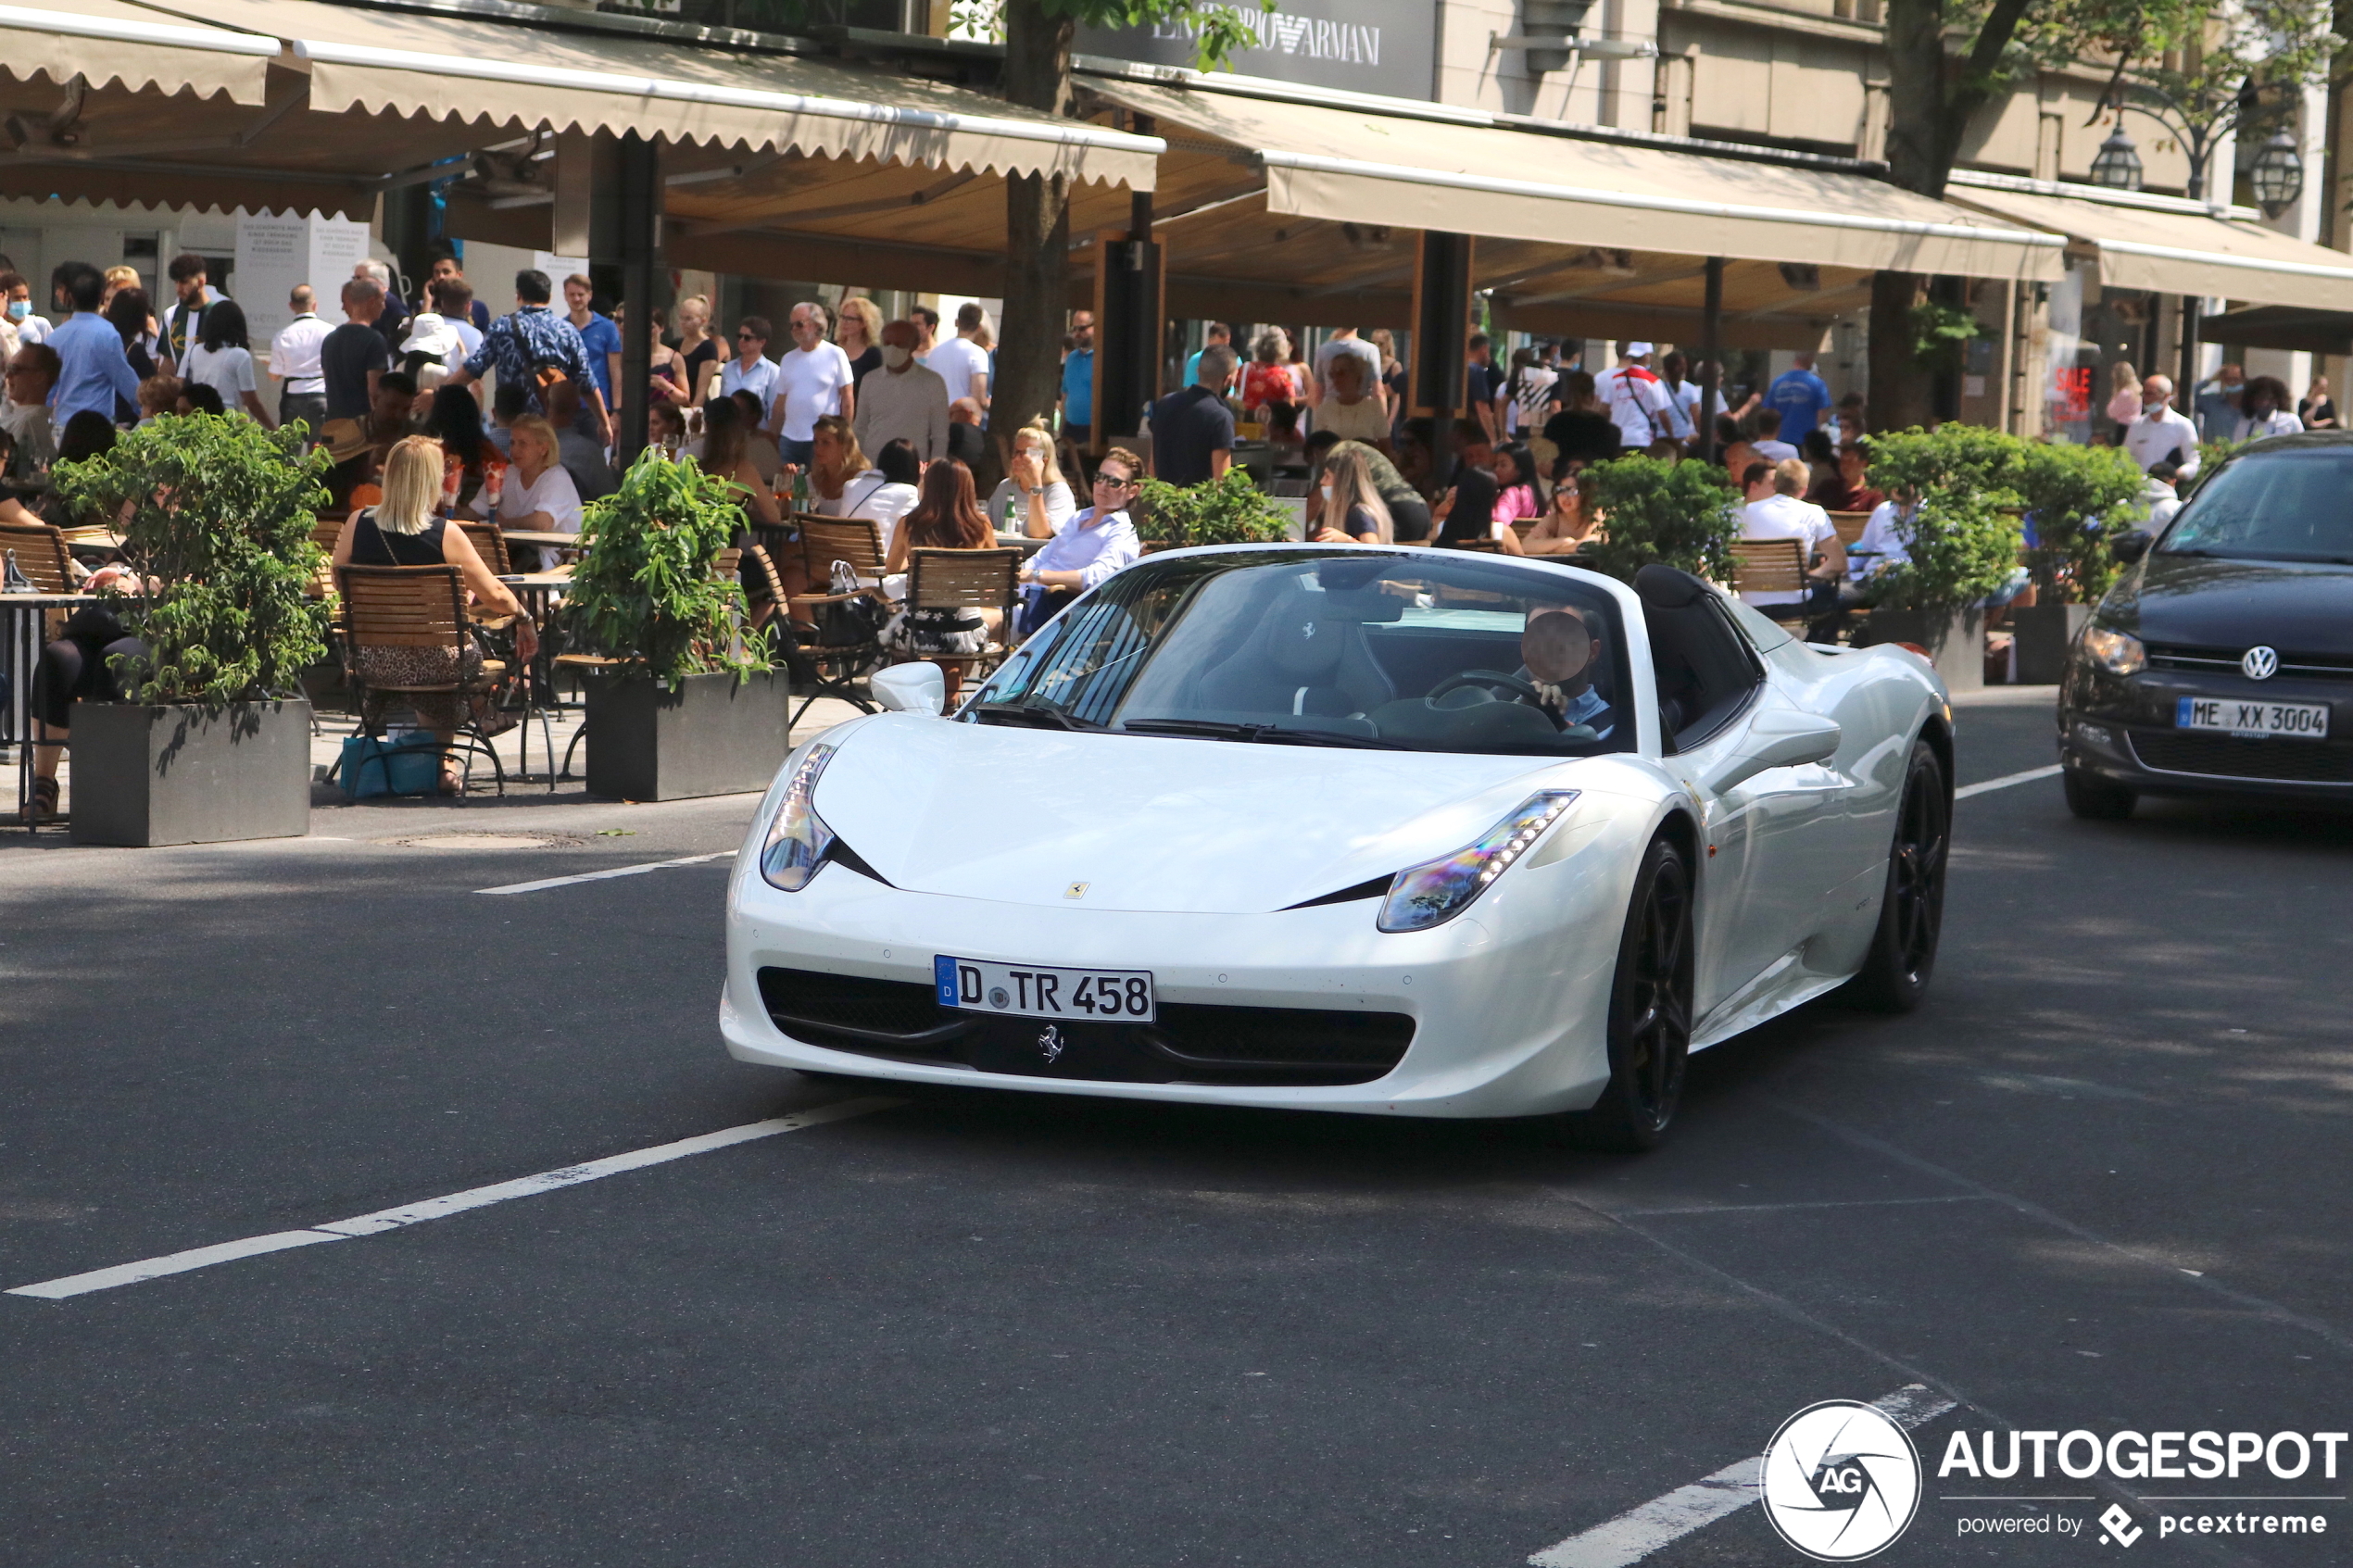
{"points": [[1166, 824]]}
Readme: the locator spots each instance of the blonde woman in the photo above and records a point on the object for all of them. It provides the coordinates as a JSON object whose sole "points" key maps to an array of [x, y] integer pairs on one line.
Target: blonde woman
{"points": [[1033, 498], [698, 352], [2124, 392], [1349, 495], [404, 529], [834, 461], [860, 334]]}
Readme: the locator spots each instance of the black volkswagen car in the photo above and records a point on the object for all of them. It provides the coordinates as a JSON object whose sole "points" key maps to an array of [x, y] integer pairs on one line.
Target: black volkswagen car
{"points": [[2222, 663]]}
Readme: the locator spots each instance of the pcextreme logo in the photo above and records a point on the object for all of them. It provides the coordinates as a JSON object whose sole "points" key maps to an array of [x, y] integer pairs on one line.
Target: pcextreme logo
{"points": [[1841, 1481]]}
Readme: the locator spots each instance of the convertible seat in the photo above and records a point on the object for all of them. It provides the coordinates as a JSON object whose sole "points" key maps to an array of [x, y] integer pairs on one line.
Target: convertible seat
{"points": [[1301, 660]]}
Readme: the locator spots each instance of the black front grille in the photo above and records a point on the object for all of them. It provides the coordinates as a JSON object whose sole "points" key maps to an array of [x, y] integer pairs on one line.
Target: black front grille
{"points": [[1188, 1044], [2225, 661], [2228, 757]]}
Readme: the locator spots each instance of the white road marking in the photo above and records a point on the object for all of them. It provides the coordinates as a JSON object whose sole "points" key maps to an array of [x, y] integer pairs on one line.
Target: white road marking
{"points": [[442, 1207], [1631, 1536], [2007, 780], [606, 876]]}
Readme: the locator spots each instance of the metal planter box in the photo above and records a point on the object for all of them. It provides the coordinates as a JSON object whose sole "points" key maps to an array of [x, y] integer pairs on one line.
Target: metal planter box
{"points": [[705, 735], [2044, 634], [1956, 643], [150, 776]]}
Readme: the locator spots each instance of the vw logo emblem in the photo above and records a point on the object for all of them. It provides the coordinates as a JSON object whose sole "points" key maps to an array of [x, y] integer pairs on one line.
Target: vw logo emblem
{"points": [[1049, 1043], [2260, 663]]}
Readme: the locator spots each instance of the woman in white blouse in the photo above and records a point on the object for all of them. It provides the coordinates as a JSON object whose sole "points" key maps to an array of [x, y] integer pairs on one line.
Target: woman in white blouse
{"points": [[885, 491], [537, 495], [222, 359], [1034, 498]]}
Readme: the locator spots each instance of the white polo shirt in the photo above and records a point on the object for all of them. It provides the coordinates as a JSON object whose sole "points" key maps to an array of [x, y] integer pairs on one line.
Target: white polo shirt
{"points": [[2155, 436], [1786, 517]]}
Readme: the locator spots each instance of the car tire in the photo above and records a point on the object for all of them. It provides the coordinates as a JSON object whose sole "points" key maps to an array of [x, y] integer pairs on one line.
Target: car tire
{"points": [[1911, 916], [2094, 799], [1650, 1011]]}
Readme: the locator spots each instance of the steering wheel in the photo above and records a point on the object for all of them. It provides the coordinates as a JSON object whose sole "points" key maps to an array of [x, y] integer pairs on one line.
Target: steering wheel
{"points": [[1496, 680]]}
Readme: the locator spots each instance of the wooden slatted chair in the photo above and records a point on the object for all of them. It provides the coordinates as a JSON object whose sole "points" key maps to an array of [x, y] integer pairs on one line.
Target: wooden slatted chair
{"points": [[1771, 566], [982, 580], [489, 543], [858, 542], [41, 555], [415, 606]]}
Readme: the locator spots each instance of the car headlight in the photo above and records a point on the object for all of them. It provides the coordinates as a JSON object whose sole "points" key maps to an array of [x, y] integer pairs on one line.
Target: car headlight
{"points": [[798, 838], [2119, 653], [1435, 892]]}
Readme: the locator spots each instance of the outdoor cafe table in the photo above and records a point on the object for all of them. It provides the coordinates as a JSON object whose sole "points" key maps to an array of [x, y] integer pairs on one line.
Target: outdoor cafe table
{"points": [[538, 536], [23, 631]]}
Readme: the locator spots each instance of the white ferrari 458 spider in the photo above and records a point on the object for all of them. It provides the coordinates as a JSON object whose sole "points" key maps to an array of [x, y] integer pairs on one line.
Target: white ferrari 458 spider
{"points": [[1404, 831]]}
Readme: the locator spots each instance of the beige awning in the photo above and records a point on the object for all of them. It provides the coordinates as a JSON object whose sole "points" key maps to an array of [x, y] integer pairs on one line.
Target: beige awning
{"points": [[2174, 252], [496, 75], [1463, 176], [130, 47]]}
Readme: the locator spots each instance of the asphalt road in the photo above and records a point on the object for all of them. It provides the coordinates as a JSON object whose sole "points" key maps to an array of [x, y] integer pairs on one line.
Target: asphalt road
{"points": [[2098, 1182]]}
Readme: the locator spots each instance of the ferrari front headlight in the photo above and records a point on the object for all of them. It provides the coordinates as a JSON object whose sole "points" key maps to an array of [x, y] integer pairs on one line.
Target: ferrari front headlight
{"points": [[2119, 653], [1436, 891], [798, 838]]}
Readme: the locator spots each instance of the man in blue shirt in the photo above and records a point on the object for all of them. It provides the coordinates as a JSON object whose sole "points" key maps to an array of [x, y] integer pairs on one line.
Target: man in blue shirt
{"points": [[92, 373], [601, 340], [1801, 400], [1078, 380]]}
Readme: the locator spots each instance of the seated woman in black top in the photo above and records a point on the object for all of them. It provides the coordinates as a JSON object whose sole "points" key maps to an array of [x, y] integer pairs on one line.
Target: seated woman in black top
{"points": [[1468, 512], [405, 531]]}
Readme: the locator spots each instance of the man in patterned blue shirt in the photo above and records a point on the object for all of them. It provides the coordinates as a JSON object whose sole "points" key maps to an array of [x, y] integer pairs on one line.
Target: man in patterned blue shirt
{"points": [[520, 345]]}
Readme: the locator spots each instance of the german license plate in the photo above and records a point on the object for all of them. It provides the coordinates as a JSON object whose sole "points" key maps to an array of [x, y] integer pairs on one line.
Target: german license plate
{"points": [[1100, 995], [2240, 716]]}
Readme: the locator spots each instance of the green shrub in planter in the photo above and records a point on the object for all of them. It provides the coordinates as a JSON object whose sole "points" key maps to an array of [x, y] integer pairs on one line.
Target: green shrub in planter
{"points": [[1685, 515], [1962, 539], [2065, 489], [218, 517], [1231, 511], [644, 589]]}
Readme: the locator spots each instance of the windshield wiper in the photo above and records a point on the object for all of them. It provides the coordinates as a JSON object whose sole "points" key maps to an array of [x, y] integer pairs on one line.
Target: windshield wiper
{"points": [[1022, 713], [1271, 734]]}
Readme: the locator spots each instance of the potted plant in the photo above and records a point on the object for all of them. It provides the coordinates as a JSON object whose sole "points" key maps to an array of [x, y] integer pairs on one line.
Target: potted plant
{"points": [[2079, 499], [1961, 542], [213, 738], [1227, 511], [691, 705], [1683, 515]]}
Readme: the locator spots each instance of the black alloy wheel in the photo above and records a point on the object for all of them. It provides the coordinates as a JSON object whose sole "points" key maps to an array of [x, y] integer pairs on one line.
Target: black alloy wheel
{"points": [[2094, 799], [1650, 1011], [1902, 956]]}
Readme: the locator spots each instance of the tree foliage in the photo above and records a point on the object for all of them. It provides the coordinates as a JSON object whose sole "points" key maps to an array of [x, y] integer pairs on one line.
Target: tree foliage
{"points": [[645, 590], [1227, 511], [1685, 515], [216, 514], [2080, 498], [1961, 540]]}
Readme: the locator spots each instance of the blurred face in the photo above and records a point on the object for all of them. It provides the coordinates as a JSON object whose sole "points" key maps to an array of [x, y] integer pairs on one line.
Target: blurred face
{"points": [[2156, 392], [1114, 488], [445, 269], [827, 447], [391, 406], [693, 320], [575, 298], [750, 345], [808, 331], [191, 289], [27, 384], [2233, 377], [531, 449], [1082, 328], [1506, 470]]}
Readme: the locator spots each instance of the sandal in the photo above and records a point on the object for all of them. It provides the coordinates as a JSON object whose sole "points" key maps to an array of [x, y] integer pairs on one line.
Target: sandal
{"points": [[452, 781], [43, 806]]}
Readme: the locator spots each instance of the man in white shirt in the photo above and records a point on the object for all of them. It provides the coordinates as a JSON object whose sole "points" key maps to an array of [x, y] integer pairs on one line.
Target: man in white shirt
{"points": [[751, 370], [961, 362], [813, 379], [1881, 546], [1635, 400], [294, 360], [1089, 548], [2162, 432], [904, 400], [1775, 511]]}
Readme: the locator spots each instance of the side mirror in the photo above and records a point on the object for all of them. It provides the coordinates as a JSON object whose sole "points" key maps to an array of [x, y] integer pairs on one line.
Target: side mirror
{"points": [[912, 688], [1780, 737], [2131, 544]]}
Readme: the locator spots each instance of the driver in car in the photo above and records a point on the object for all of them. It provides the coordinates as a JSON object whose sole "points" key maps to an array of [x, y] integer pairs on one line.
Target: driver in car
{"points": [[1559, 656]]}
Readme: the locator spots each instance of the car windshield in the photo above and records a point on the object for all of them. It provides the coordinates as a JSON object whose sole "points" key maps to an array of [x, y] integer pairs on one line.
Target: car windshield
{"points": [[1348, 648], [2271, 505]]}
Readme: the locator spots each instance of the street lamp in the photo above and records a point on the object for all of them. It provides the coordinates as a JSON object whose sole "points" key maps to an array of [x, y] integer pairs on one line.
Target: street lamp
{"points": [[2277, 174], [2118, 164]]}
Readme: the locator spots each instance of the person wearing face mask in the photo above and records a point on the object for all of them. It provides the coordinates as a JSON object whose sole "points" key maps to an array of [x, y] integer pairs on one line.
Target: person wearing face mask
{"points": [[1350, 497], [28, 326], [905, 400]]}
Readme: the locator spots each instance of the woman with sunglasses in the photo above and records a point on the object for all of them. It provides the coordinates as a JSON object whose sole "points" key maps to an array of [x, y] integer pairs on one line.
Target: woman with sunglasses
{"points": [[1090, 547]]}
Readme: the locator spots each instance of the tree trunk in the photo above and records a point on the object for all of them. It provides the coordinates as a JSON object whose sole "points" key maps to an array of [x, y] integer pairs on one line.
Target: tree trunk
{"points": [[1037, 231], [1902, 394]]}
